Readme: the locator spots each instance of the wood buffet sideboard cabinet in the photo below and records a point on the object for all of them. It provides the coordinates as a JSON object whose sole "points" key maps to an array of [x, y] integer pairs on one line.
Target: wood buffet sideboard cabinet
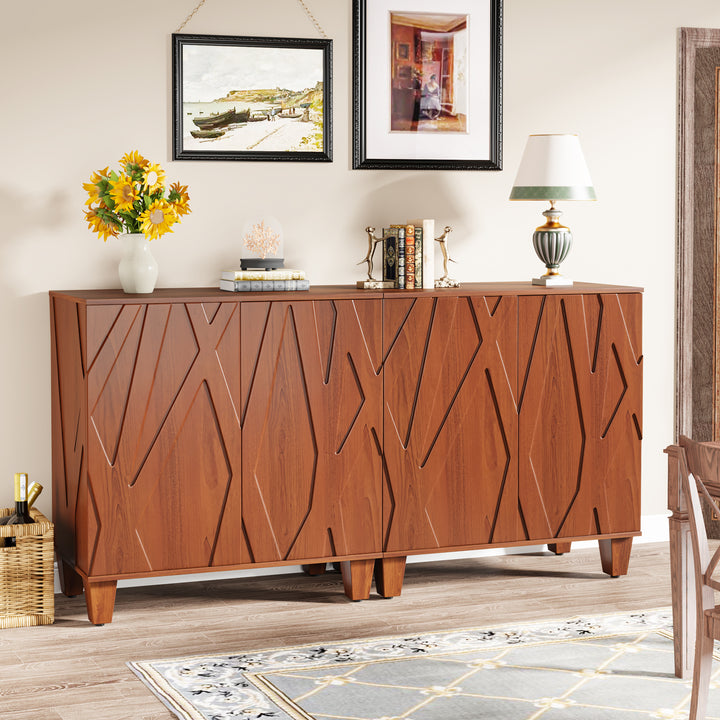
{"points": [[196, 430]]}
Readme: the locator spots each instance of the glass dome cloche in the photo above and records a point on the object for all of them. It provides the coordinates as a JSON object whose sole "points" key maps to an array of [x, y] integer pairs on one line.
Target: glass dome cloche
{"points": [[262, 244]]}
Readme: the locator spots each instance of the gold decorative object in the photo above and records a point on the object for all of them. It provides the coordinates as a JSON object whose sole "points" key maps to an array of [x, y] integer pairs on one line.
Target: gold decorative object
{"points": [[445, 281], [371, 283]]}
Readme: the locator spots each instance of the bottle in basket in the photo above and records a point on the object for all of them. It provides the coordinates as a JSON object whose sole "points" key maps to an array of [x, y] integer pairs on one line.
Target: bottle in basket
{"points": [[21, 516], [34, 489]]}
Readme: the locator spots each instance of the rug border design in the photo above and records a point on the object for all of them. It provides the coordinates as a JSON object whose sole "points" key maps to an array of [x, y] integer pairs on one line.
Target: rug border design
{"points": [[315, 656], [164, 692], [277, 697]]}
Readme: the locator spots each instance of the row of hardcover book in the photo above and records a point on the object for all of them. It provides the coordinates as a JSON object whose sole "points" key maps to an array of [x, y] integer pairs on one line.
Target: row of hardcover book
{"points": [[263, 280], [403, 247]]}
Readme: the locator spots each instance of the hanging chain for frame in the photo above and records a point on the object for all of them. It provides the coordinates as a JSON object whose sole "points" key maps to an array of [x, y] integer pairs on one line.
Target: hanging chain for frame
{"points": [[189, 17], [312, 18]]}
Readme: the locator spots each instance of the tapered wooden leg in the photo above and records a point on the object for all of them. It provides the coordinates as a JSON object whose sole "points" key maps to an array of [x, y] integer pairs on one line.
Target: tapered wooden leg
{"points": [[683, 594], [701, 672], [71, 583], [100, 600], [559, 548], [389, 574], [357, 578], [615, 555], [314, 569]]}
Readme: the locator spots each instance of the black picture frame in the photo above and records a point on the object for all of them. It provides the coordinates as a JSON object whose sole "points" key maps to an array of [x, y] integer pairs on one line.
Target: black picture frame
{"points": [[199, 49], [375, 144]]}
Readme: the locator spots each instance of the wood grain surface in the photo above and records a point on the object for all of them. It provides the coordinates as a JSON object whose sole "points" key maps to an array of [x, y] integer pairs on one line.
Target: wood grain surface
{"points": [[312, 413], [450, 422], [580, 418], [163, 455], [697, 410], [361, 425], [212, 294]]}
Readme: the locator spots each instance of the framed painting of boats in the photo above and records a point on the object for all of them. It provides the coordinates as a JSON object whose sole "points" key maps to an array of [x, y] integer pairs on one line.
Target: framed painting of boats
{"points": [[252, 98], [427, 90]]}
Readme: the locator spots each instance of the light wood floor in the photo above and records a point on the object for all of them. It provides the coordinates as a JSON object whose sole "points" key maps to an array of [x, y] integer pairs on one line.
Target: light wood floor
{"points": [[75, 671]]}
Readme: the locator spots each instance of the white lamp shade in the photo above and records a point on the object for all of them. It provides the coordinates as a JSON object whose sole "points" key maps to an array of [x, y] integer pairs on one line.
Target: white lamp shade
{"points": [[553, 168]]}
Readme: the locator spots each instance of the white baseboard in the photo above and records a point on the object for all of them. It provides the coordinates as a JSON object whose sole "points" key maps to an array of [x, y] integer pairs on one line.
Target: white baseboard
{"points": [[654, 529]]}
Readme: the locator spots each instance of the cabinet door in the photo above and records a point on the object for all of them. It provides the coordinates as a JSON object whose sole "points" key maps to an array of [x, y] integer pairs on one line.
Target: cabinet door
{"points": [[450, 422], [580, 414], [163, 472], [312, 409]]}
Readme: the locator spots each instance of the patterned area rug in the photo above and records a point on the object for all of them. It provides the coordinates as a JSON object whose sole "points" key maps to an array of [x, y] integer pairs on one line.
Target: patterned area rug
{"points": [[606, 667]]}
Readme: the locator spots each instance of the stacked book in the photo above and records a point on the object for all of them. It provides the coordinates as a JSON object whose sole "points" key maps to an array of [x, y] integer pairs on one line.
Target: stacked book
{"points": [[263, 280], [408, 254]]}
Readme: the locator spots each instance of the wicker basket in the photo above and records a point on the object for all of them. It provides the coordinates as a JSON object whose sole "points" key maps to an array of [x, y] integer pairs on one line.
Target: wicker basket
{"points": [[26, 573]]}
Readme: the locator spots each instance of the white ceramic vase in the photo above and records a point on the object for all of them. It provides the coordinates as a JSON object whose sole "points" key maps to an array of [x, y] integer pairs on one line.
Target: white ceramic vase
{"points": [[138, 269]]}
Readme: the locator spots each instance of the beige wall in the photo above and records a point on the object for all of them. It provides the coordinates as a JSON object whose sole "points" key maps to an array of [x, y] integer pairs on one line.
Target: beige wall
{"points": [[83, 82]]}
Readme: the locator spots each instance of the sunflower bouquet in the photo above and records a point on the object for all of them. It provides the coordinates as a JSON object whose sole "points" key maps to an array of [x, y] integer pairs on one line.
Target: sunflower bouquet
{"points": [[134, 200]]}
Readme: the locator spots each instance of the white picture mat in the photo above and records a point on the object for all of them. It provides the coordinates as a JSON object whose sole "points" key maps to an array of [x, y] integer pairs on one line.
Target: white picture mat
{"points": [[380, 142]]}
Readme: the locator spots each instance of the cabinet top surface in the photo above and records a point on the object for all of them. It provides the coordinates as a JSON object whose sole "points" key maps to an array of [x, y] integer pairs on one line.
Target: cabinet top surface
{"points": [[211, 294]]}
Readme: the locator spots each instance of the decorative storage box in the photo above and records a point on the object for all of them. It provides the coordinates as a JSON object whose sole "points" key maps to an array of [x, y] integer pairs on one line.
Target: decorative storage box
{"points": [[26, 573]]}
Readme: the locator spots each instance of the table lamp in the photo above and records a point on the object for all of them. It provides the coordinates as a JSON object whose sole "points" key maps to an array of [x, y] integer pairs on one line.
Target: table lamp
{"points": [[552, 168]]}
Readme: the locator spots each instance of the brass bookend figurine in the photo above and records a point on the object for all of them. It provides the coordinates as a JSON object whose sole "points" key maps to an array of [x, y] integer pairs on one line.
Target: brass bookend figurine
{"points": [[371, 283], [445, 281]]}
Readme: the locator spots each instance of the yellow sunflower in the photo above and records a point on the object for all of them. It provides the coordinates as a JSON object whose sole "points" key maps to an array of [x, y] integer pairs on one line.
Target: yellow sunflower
{"points": [[179, 199], [157, 219], [123, 193], [153, 178], [134, 158], [98, 225], [92, 188]]}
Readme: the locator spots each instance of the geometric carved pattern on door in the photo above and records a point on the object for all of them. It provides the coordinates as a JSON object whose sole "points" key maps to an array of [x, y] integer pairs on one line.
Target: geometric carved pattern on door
{"points": [[163, 445], [450, 422], [312, 406], [580, 414], [197, 430], [69, 409]]}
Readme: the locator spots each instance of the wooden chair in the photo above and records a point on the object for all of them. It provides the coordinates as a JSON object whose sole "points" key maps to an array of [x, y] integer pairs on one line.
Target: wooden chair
{"points": [[700, 465]]}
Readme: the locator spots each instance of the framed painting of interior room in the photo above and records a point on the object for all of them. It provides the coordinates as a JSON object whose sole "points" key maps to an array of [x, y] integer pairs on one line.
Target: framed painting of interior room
{"points": [[252, 98], [427, 90]]}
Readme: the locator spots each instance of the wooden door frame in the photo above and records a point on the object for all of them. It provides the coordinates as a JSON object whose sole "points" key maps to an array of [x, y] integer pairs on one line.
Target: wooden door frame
{"points": [[697, 340]]}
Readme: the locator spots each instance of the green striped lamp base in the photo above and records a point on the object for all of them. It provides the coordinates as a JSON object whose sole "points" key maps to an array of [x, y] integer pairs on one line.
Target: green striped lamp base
{"points": [[552, 247]]}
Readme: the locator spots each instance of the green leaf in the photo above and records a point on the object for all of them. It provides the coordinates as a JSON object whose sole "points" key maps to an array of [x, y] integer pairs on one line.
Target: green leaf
{"points": [[109, 218]]}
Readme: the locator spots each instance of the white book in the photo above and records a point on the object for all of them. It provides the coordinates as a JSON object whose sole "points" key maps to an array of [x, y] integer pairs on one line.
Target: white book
{"points": [[428, 272], [264, 285], [284, 274]]}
